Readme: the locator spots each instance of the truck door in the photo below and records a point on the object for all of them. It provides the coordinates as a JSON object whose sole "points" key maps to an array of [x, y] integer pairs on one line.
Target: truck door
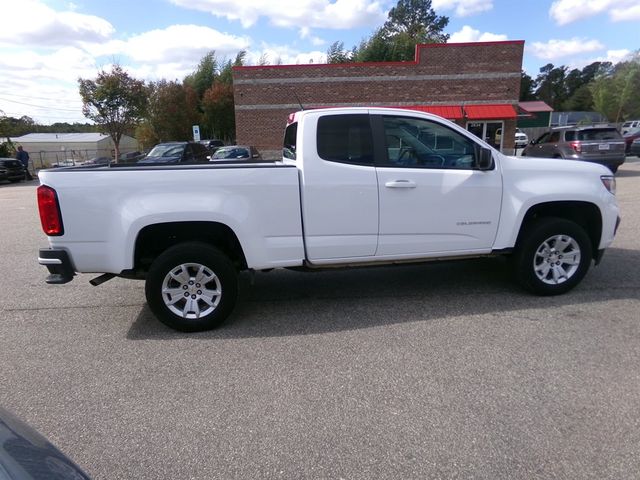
{"points": [[339, 188], [433, 199]]}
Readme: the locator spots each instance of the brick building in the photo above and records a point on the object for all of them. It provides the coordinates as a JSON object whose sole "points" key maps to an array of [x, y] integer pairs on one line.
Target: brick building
{"points": [[477, 85]]}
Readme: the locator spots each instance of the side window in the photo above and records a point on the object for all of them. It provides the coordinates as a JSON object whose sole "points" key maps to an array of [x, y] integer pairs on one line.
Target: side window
{"points": [[416, 142], [188, 154], [345, 139], [555, 137], [569, 136], [289, 145]]}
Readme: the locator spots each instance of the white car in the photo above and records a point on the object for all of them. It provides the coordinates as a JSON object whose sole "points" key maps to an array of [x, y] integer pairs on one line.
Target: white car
{"points": [[630, 125], [521, 139]]}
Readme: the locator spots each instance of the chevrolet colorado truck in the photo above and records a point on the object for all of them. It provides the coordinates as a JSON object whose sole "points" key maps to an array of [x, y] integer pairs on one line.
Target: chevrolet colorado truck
{"points": [[355, 186]]}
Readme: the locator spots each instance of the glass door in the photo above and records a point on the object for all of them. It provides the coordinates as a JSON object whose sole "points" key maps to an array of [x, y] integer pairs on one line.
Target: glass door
{"points": [[490, 132]]}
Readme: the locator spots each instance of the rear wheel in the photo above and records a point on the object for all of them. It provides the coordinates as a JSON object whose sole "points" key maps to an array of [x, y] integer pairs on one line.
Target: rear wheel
{"points": [[192, 287], [552, 257]]}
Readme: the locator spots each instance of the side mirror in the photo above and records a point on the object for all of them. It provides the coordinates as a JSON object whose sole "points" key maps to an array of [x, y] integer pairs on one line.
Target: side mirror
{"points": [[484, 159]]}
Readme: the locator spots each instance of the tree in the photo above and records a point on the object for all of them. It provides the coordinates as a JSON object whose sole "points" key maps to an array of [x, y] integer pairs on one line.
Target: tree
{"points": [[337, 54], [115, 101], [615, 93], [551, 85], [409, 23], [205, 74], [417, 20], [171, 112], [219, 111], [527, 86]]}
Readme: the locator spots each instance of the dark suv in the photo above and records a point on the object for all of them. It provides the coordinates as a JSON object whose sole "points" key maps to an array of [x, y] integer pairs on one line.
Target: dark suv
{"points": [[176, 152], [11, 169], [594, 143]]}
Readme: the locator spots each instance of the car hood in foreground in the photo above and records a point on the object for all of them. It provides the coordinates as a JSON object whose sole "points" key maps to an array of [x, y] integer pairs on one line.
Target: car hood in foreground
{"points": [[27, 455]]}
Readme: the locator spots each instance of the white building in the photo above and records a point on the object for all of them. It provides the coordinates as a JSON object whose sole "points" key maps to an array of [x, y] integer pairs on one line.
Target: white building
{"points": [[47, 149]]}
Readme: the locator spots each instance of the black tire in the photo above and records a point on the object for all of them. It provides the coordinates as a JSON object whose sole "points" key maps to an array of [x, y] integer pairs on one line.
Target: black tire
{"points": [[568, 250], [613, 168], [205, 283]]}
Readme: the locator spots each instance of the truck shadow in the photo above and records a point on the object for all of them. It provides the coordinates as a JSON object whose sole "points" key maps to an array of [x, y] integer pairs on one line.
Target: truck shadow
{"points": [[287, 303]]}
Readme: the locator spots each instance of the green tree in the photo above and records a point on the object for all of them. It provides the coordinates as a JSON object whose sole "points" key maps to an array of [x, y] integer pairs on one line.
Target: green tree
{"points": [[551, 86], [337, 54], [171, 112], [219, 111], [409, 23], [527, 87], [615, 93], [417, 20], [204, 75], [115, 101]]}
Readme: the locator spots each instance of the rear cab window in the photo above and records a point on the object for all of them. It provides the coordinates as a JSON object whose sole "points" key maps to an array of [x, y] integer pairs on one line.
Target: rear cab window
{"points": [[345, 139], [289, 144]]}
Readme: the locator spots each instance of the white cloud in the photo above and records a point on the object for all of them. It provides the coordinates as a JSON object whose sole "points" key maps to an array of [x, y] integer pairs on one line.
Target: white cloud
{"points": [[613, 56], [284, 54], [555, 49], [463, 8], [468, 34], [34, 23], [305, 34], [339, 14], [177, 43], [568, 11]]}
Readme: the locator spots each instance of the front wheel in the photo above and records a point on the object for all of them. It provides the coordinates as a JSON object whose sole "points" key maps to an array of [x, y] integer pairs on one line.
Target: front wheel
{"points": [[192, 287], [552, 256]]}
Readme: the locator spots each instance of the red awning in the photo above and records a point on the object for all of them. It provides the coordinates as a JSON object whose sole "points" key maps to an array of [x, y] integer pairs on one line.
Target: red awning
{"points": [[473, 112], [490, 112]]}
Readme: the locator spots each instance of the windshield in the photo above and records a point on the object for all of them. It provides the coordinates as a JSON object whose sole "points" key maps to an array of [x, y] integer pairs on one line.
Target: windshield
{"points": [[227, 153], [166, 151]]}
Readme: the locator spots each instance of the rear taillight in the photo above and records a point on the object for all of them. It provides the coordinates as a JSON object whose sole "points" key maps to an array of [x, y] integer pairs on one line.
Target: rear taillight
{"points": [[577, 147], [49, 208]]}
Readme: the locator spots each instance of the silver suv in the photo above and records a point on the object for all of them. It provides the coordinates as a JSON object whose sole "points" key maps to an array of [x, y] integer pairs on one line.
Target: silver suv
{"points": [[601, 144]]}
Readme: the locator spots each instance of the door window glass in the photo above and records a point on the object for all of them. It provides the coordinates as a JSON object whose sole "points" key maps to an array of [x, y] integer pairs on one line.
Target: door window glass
{"points": [[345, 139], [416, 142]]}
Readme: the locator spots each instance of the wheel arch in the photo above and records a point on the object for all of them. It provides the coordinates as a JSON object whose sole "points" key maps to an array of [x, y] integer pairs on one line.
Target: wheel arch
{"points": [[154, 239], [585, 214]]}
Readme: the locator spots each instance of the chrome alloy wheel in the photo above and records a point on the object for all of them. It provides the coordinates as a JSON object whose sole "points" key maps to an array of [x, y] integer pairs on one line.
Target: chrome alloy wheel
{"points": [[191, 290], [557, 259]]}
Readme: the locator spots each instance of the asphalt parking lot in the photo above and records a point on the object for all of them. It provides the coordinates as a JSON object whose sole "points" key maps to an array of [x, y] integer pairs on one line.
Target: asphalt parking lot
{"points": [[424, 371]]}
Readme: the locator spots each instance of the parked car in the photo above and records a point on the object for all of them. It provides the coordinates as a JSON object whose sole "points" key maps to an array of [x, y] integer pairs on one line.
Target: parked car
{"points": [[130, 157], [27, 455], [98, 161], [11, 169], [176, 152], [630, 125], [67, 162], [212, 145], [235, 152], [629, 137], [521, 139], [601, 144], [635, 148]]}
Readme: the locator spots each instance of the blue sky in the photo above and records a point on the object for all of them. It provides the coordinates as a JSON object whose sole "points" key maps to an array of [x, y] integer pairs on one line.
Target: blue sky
{"points": [[45, 45]]}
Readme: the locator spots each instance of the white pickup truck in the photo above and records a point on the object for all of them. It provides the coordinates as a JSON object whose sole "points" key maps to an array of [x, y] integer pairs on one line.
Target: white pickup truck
{"points": [[355, 186]]}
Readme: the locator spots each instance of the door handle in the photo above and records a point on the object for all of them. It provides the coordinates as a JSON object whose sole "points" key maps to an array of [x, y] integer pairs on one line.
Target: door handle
{"points": [[400, 184]]}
